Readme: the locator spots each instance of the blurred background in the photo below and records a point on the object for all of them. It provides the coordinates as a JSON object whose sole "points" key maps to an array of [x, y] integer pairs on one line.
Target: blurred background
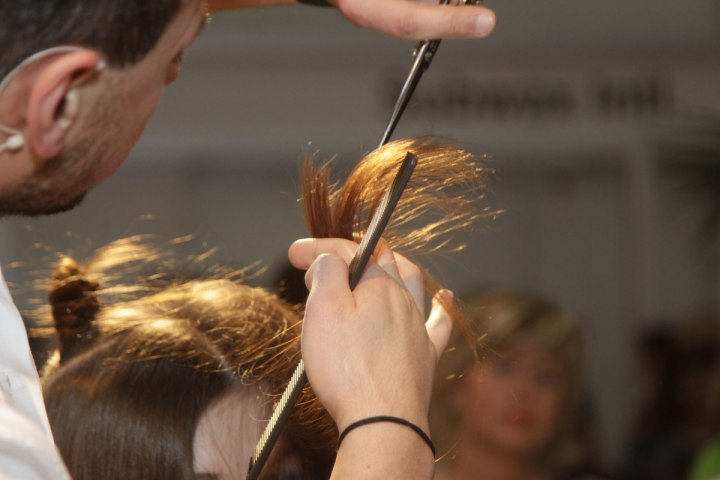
{"points": [[602, 120]]}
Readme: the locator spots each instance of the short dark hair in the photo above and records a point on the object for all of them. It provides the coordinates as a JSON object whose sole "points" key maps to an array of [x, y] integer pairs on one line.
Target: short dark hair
{"points": [[123, 31]]}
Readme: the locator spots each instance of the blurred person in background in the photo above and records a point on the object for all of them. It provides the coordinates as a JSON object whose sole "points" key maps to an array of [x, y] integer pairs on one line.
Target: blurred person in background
{"points": [[511, 401], [706, 465], [675, 418]]}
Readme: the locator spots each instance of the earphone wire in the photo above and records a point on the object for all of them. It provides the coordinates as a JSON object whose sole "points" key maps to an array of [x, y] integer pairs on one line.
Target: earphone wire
{"points": [[34, 58], [15, 139]]}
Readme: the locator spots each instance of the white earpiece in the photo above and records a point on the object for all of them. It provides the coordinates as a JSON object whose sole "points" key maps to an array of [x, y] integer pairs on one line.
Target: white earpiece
{"points": [[70, 109], [14, 142], [71, 103]]}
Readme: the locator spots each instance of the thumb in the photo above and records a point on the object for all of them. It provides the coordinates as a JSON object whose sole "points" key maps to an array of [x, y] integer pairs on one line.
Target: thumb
{"points": [[328, 274], [439, 325]]}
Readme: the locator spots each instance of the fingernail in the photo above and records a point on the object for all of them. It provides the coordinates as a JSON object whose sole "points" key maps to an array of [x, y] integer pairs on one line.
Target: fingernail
{"points": [[484, 24]]}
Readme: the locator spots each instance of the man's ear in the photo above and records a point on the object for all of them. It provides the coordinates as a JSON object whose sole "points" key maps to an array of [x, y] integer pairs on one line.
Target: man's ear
{"points": [[53, 103]]}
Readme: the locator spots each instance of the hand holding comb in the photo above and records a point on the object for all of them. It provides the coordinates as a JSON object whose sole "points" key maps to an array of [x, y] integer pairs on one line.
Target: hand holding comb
{"points": [[423, 56], [292, 392]]}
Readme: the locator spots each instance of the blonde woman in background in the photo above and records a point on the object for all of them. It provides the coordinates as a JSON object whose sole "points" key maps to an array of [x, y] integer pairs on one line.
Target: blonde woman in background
{"points": [[509, 403]]}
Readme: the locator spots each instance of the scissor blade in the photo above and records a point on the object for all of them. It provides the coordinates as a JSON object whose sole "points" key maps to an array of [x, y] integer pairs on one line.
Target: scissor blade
{"points": [[423, 56]]}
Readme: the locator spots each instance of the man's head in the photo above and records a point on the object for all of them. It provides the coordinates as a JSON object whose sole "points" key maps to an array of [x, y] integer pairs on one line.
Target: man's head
{"points": [[78, 121]]}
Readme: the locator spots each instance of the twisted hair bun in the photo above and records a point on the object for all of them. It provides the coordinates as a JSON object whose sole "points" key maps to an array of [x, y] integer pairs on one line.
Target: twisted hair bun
{"points": [[74, 307]]}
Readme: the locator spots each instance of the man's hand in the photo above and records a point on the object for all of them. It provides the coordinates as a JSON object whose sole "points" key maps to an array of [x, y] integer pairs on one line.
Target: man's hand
{"points": [[411, 19], [369, 351], [419, 20]]}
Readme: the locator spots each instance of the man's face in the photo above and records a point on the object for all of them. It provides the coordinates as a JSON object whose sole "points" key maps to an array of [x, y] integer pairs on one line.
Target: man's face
{"points": [[114, 111]]}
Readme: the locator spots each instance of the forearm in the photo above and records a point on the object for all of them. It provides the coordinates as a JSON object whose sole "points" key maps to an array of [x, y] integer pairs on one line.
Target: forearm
{"points": [[382, 451], [370, 357]]}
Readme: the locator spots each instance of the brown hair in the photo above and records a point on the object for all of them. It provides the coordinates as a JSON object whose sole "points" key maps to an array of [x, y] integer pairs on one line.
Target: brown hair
{"points": [[134, 380], [137, 365], [442, 197]]}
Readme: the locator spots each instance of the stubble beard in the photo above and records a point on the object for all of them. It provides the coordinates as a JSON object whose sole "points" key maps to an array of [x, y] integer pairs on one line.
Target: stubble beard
{"points": [[63, 182], [60, 185]]}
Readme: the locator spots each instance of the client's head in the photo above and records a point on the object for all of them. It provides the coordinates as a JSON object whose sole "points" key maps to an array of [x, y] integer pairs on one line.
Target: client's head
{"points": [[173, 379]]}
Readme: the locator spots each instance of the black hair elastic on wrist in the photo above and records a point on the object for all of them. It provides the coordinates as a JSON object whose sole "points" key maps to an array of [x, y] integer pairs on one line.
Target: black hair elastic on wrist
{"points": [[383, 418], [316, 3]]}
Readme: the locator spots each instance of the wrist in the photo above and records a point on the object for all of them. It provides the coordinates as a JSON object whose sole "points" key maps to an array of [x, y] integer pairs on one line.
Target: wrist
{"points": [[411, 406], [424, 436], [384, 450], [421, 422]]}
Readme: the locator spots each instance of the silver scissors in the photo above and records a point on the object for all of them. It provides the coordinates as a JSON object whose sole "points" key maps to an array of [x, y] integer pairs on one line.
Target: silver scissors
{"points": [[423, 56]]}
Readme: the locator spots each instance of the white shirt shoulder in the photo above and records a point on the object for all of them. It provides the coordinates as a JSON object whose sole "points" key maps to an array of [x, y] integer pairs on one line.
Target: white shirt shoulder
{"points": [[27, 449]]}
